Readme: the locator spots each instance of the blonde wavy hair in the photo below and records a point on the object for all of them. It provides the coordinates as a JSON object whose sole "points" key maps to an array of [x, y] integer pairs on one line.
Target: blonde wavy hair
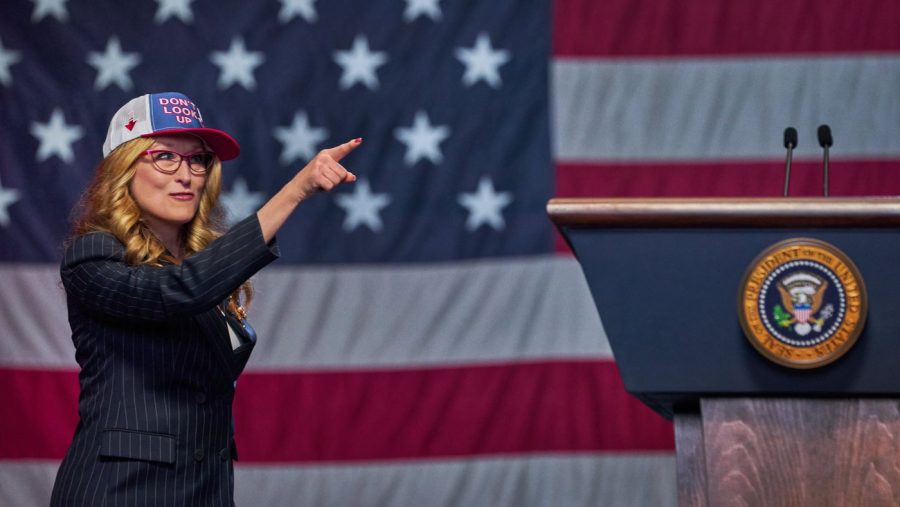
{"points": [[107, 206]]}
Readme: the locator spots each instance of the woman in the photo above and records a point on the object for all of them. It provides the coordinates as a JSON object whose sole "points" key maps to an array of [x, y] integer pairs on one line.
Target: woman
{"points": [[154, 293]]}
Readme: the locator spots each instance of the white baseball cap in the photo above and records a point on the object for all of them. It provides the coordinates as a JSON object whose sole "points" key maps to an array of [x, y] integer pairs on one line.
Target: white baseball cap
{"points": [[160, 114]]}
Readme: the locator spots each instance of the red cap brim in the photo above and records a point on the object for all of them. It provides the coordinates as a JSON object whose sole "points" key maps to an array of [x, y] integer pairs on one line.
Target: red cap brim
{"points": [[222, 144]]}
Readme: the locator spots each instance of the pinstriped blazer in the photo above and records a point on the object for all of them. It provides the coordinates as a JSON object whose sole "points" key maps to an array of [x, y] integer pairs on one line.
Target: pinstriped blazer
{"points": [[157, 372]]}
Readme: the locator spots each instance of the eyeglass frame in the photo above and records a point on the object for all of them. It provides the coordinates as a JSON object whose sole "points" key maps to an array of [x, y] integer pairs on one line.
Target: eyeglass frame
{"points": [[181, 158]]}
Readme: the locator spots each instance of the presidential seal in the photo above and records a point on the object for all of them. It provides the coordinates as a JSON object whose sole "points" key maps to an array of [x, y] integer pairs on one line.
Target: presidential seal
{"points": [[802, 303]]}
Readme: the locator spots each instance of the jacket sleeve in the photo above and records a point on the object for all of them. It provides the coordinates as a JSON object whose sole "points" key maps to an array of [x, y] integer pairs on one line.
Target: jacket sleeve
{"points": [[96, 277]]}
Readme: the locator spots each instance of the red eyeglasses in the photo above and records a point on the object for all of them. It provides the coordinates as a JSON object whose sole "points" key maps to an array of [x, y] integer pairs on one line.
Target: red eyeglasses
{"points": [[168, 161]]}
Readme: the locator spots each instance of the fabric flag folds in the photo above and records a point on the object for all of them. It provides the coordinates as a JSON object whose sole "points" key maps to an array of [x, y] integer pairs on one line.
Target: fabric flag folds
{"points": [[423, 340]]}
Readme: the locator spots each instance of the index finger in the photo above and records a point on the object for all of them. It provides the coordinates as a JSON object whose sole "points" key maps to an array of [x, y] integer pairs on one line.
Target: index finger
{"points": [[341, 151]]}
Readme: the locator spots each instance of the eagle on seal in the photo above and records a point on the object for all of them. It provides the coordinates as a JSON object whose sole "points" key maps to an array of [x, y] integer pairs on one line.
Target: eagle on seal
{"points": [[802, 294]]}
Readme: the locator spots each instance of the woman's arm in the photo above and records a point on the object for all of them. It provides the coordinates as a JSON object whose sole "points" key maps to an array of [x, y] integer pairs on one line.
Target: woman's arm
{"points": [[97, 279], [323, 173]]}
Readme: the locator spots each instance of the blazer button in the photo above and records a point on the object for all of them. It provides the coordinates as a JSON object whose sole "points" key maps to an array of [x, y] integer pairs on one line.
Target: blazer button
{"points": [[198, 454], [224, 455], [200, 397]]}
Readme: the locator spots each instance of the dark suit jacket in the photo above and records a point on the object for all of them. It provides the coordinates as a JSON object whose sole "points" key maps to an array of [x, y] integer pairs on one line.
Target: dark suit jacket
{"points": [[157, 372]]}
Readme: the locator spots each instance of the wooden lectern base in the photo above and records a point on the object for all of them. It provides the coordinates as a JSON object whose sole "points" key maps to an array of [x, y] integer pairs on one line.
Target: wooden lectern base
{"points": [[789, 452]]}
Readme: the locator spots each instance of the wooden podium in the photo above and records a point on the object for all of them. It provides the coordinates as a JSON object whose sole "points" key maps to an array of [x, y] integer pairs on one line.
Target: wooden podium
{"points": [[665, 276]]}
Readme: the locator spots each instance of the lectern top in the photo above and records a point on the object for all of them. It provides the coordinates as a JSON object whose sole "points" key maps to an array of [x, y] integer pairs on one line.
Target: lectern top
{"points": [[831, 212]]}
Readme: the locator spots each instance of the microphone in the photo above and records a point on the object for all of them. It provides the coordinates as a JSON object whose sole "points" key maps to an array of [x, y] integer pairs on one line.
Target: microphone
{"points": [[790, 142], [825, 141]]}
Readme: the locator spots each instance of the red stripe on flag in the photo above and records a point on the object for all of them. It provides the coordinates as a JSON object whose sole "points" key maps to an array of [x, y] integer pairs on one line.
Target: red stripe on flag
{"points": [[571, 406], [713, 27], [40, 412], [726, 179], [577, 406]]}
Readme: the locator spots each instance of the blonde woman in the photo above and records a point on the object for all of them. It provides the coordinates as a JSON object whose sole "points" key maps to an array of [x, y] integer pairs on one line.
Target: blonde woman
{"points": [[155, 295]]}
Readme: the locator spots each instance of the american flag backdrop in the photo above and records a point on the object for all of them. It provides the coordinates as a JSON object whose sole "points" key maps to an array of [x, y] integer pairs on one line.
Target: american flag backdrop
{"points": [[424, 339]]}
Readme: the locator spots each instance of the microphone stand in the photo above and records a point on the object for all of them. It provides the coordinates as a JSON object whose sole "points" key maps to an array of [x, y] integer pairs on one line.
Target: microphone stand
{"points": [[787, 170]]}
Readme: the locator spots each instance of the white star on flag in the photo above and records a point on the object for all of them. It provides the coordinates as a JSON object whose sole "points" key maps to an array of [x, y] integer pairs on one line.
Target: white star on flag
{"points": [[362, 207], [482, 62], [55, 8], [7, 58], [416, 8], [359, 64], [291, 8], [8, 196], [300, 139], [485, 205], [422, 139], [56, 137], [237, 64], [113, 65], [240, 202], [181, 9]]}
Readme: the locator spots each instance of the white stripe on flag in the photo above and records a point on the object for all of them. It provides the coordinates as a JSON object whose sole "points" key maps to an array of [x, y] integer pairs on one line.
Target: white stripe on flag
{"points": [[628, 480], [708, 108], [363, 317], [33, 314]]}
